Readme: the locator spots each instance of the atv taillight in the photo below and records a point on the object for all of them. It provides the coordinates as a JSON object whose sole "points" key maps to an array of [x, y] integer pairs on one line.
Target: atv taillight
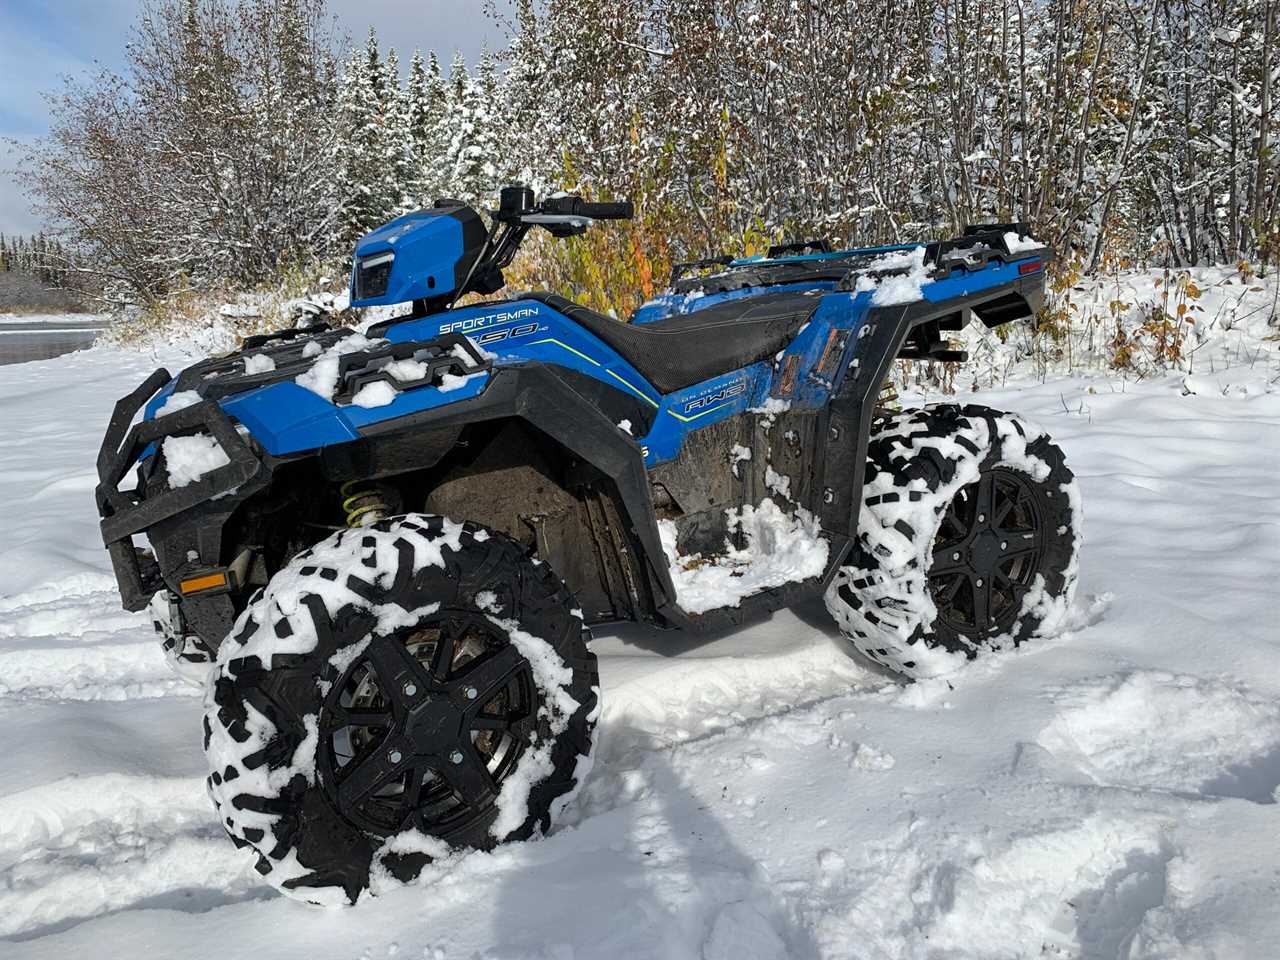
{"points": [[1031, 266]]}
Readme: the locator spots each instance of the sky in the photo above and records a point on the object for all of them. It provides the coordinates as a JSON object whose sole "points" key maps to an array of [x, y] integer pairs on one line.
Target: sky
{"points": [[42, 41]]}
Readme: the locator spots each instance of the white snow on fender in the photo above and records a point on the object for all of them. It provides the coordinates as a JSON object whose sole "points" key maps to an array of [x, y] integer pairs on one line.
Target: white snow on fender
{"points": [[376, 394], [780, 549], [897, 288], [189, 458], [322, 377], [178, 400]]}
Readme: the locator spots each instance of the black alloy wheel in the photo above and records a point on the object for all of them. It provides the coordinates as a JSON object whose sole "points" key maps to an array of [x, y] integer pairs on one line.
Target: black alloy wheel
{"points": [[968, 540], [987, 553], [423, 726], [371, 704]]}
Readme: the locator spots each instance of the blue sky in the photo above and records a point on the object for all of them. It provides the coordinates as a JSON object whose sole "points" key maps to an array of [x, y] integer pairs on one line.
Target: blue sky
{"points": [[41, 41]]}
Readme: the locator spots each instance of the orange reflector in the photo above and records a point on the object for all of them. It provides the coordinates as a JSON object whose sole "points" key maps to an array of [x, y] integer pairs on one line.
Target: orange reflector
{"points": [[208, 581]]}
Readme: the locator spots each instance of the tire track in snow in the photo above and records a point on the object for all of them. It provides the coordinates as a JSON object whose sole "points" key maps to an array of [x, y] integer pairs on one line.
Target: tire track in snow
{"points": [[71, 641], [83, 846], [668, 706]]}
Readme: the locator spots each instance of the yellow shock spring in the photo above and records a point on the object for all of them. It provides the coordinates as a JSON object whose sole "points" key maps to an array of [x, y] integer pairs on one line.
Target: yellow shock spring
{"points": [[363, 503], [888, 397]]}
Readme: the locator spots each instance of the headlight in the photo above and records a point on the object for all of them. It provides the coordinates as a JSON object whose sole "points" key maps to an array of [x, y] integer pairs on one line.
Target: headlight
{"points": [[373, 273]]}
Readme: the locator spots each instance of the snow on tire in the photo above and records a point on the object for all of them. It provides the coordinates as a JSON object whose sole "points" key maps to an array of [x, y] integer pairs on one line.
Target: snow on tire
{"points": [[397, 692], [968, 540]]}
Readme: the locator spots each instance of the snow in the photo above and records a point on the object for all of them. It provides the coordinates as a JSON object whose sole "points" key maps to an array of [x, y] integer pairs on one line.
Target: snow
{"points": [[187, 459], [897, 288], [1102, 793], [322, 377], [778, 483], [258, 363], [407, 370], [376, 394], [452, 381], [1020, 244], [178, 400], [780, 549], [769, 411]]}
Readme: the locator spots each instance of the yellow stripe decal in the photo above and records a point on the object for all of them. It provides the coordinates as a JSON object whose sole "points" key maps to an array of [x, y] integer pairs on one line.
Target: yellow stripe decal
{"points": [[579, 353], [720, 406], [631, 388], [567, 347]]}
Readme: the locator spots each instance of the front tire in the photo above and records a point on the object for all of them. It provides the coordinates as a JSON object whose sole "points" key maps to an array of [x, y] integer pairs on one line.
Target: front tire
{"points": [[396, 692], [968, 540]]}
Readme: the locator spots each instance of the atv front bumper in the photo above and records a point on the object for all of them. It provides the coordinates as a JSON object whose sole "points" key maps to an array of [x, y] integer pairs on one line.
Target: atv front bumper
{"points": [[125, 513]]}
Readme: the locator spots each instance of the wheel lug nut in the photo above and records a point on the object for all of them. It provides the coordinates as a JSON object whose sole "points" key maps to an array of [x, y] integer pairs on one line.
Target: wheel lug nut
{"points": [[982, 518], [471, 693], [410, 689], [1004, 544], [455, 757], [955, 556], [395, 756], [978, 581]]}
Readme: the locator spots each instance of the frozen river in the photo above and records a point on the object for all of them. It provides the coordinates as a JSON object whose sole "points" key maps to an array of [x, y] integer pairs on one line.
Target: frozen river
{"points": [[27, 340]]}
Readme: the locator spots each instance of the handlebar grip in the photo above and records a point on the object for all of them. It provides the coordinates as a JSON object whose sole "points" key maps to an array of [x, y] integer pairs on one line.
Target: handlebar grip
{"points": [[577, 207], [620, 210]]}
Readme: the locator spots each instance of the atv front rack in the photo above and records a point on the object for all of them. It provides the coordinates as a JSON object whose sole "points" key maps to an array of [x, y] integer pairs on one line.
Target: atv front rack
{"points": [[450, 354], [125, 513]]}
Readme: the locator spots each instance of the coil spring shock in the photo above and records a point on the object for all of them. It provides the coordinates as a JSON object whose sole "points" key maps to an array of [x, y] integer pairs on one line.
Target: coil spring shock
{"points": [[363, 503], [888, 398]]}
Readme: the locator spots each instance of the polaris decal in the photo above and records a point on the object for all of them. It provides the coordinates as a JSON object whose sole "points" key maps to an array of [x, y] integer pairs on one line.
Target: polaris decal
{"points": [[721, 395], [488, 320]]}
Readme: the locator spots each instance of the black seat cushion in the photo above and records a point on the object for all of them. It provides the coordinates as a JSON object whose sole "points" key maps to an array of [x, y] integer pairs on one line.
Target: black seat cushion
{"points": [[683, 350]]}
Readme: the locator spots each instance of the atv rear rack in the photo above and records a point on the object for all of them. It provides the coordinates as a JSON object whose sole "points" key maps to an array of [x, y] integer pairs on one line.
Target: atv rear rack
{"points": [[815, 260]]}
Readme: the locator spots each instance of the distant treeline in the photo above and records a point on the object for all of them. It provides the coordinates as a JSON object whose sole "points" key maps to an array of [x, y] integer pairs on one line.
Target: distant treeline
{"points": [[245, 138], [44, 258]]}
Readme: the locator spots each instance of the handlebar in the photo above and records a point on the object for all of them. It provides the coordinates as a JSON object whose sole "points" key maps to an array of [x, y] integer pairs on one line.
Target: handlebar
{"points": [[566, 215], [577, 207]]}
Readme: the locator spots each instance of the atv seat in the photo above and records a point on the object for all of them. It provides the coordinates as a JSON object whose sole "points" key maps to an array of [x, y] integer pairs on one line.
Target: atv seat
{"points": [[680, 351]]}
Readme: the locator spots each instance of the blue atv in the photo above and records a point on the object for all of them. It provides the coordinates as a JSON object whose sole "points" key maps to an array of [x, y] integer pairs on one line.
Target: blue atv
{"points": [[382, 550]]}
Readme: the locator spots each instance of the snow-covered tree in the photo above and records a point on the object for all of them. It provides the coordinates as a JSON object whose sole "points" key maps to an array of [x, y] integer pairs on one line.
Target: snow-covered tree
{"points": [[473, 123], [234, 143], [426, 107]]}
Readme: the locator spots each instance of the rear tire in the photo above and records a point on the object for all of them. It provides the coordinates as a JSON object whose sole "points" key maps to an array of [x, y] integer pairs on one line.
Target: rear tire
{"points": [[968, 540], [397, 692]]}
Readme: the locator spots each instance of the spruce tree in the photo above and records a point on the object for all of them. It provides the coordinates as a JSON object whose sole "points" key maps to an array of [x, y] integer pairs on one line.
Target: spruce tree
{"points": [[425, 94]]}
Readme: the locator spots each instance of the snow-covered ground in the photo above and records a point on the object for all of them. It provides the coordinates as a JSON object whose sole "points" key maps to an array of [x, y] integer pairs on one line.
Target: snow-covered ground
{"points": [[759, 794]]}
